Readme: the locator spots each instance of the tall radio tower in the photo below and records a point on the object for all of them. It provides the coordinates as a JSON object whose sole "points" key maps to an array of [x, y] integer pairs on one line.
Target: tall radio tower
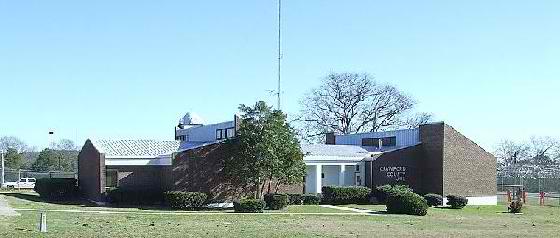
{"points": [[278, 92]]}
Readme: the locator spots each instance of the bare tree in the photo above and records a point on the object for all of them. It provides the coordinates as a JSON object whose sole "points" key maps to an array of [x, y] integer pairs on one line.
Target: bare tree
{"points": [[417, 119], [510, 153], [529, 159], [349, 102], [65, 145], [542, 150], [12, 142]]}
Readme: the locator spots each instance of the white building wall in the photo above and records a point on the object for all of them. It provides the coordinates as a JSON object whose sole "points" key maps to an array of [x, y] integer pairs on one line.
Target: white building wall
{"points": [[406, 137], [204, 133]]}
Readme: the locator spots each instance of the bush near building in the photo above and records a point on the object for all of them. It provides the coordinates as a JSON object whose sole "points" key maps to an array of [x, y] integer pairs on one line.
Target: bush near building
{"points": [[185, 200], [57, 189], [407, 203], [335, 195], [381, 193], [456, 202], [303, 199], [515, 207], [249, 206], [276, 201], [433, 199]]}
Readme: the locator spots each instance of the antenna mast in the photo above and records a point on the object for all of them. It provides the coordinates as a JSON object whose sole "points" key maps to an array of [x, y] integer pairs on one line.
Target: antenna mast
{"points": [[279, 49]]}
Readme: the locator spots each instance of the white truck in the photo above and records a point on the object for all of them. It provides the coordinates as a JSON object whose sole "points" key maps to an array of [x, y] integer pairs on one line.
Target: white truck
{"points": [[23, 183]]}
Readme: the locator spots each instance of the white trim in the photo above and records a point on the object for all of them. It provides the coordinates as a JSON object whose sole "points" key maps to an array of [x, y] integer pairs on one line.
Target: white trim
{"points": [[488, 200], [479, 201], [131, 157], [138, 162], [330, 163], [331, 157]]}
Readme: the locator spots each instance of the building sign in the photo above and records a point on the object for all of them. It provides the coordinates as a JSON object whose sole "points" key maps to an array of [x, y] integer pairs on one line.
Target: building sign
{"points": [[397, 173]]}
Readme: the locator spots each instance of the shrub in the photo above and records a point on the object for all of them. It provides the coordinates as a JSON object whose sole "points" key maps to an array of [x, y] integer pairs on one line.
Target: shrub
{"points": [[515, 207], [456, 202], [185, 200], [303, 199], [295, 199], [57, 189], [311, 199], [249, 205], [276, 201], [129, 196], [345, 195], [433, 199], [382, 192], [407, 203]]}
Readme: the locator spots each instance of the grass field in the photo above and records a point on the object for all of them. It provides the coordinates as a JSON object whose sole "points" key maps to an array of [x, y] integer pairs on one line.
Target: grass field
{"points": [[475, 221]]}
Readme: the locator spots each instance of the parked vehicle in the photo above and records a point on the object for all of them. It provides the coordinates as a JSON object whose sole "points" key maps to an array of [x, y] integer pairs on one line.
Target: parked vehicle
{"points": [[25, 183]]}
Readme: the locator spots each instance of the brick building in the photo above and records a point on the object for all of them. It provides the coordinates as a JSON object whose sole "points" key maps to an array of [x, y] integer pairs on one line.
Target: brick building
{"points": [[433, 158]]}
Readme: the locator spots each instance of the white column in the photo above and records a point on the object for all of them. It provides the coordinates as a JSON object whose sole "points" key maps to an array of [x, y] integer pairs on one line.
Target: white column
{"points": [[341, 175], [318, 178]]}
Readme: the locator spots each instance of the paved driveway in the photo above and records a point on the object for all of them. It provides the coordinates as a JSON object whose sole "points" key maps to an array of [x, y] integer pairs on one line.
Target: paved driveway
{"points": [[5, 209]]}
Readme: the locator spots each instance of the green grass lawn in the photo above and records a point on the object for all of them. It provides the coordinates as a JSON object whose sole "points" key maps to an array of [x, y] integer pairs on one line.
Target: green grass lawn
{"points": [[476, 221]]}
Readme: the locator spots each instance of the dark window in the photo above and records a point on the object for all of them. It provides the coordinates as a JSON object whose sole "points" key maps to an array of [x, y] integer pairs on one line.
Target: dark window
{"points": [[385, 141], [357, 168], [322, 175], [219, 134], [389, 141], [370, 142]]}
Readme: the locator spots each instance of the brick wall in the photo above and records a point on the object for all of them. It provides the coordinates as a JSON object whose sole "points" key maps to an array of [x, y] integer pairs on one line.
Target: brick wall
{"points": [[201, 170], [141, 177], [399, 167], [467, 168], [91, 174], [431, 136]]}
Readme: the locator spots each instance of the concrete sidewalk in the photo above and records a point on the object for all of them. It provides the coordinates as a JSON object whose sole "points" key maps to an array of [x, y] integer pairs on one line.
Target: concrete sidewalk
{"points": [[5, 209]]}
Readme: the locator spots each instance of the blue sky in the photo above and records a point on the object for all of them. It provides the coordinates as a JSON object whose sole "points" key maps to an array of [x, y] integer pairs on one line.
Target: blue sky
{"points": [[131, 69]]}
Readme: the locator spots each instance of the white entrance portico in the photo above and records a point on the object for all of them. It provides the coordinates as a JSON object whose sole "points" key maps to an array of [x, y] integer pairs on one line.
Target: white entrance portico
{"points": [[333, 165]]}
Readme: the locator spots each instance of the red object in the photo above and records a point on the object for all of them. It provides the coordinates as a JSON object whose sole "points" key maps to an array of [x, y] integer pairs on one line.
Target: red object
{"points": [[509, 196], [541, 200], [525, 197]]}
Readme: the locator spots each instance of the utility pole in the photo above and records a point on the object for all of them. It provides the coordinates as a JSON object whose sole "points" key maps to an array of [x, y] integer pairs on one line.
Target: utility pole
{"points": [[279, 50]]}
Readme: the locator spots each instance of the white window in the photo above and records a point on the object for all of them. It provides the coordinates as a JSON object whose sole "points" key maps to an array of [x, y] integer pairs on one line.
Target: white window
{"points": [[219, 134]]}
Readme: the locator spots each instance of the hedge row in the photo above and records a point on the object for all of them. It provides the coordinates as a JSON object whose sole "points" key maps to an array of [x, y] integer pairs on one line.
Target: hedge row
{"points": [[335, 195], [381, 193], [303, 199], [276, 201], [57, 189], [185, 200], [249, 206]]}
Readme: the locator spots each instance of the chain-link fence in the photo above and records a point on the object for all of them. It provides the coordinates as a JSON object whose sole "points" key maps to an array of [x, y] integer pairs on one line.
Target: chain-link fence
{"points": [[13, 175], [536, 182]]}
